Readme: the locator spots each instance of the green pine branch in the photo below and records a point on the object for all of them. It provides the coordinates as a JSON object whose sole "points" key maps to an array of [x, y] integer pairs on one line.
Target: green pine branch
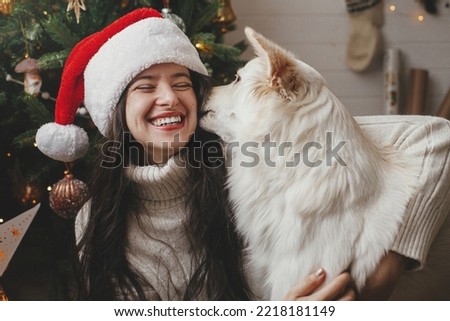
{"points": [[45, 171], [203, 18], [60, 32], [2, 98], [146, 3], [206, 38], [241, 45], [25, 139], [8, 31], [37, 112], [53, 60], [186, 11], [226, 53], [223, 52]]}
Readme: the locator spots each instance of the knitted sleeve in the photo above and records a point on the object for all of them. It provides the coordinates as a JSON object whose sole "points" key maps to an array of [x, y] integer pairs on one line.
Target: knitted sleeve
{"points": [[426, 138]]}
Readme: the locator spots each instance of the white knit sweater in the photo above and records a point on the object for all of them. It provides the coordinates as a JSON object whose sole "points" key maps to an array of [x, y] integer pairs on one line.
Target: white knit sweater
{"points": [[427, 139], [158, 247], [157, 242]]}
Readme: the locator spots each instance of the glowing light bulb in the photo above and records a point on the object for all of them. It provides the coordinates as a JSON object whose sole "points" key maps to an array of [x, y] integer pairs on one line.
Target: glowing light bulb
{"points": [[49, 188], [420, 18], [392, 7]]}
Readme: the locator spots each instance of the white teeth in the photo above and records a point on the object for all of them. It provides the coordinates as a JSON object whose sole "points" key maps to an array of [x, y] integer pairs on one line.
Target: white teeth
{"points": [[166, 121]]}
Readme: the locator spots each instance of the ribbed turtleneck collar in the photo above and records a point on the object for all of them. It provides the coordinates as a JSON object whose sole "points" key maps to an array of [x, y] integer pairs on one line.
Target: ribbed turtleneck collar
{"points": [[162, 185]]}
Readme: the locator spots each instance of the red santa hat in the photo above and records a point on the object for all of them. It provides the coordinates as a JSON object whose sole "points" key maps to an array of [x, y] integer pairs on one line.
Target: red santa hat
{"points": [[101, 66]]}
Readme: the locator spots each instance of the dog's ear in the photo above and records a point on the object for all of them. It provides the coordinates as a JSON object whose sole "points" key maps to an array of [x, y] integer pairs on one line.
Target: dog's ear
{"points": [[284, 76]]}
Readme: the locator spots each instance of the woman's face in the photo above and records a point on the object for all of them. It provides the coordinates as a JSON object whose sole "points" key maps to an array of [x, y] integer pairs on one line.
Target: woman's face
{"points": [[161, 110]]}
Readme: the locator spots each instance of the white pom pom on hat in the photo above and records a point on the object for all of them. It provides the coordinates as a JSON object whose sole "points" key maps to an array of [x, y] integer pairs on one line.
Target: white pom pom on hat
{"points": [[101, 66], [63, 142]]}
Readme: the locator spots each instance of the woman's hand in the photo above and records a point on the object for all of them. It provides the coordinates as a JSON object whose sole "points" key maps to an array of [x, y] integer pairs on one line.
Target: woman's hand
{"points": [[380, 284], [308, 290]]}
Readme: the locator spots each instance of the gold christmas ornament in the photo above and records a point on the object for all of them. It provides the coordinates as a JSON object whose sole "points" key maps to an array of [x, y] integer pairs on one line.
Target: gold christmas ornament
{"points": [[205, 51], [67, 196], [76, 6], [6, 6], [205, 48], [225, 15]]}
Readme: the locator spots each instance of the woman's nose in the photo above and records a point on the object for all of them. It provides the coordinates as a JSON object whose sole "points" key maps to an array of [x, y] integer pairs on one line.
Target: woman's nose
{"points": [[167, 96]]}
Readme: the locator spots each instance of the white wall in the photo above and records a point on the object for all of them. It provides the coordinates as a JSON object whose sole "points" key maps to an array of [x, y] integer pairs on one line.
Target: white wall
{"points": [[317, 32]]}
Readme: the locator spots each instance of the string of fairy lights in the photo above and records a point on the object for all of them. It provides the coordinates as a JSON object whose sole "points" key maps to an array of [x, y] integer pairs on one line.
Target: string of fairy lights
{"points": [[418, 14]]}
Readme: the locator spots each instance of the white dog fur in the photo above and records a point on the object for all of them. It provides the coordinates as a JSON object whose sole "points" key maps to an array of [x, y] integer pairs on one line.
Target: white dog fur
{"points": [[336, 213]]}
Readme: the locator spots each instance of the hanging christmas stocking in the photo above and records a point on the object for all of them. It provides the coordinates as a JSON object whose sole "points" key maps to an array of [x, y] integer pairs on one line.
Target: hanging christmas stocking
{"points": [[365, 43]]}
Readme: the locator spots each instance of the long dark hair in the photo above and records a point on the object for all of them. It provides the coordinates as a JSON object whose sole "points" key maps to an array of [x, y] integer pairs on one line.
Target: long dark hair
{"points": [[104, 271]]}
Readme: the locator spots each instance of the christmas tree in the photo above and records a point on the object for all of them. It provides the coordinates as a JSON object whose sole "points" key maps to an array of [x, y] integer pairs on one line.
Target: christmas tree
{"points": [[35, 40]]}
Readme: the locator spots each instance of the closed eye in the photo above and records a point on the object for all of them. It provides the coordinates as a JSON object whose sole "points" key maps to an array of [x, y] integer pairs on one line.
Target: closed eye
{"points": [[145, 87], [237, 79], [182, 86]]}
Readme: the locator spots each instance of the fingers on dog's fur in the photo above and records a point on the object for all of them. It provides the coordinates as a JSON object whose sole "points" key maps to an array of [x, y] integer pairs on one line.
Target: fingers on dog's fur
{"points": [[306, 286], [334, 289]]}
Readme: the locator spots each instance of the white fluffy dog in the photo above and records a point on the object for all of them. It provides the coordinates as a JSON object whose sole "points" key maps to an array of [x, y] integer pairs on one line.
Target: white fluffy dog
{"points": [[310, 189]]}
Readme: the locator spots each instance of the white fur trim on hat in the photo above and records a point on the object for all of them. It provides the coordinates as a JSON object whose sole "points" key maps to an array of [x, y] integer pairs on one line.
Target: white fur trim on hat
{"points": [[65, 143], [143, 44]]}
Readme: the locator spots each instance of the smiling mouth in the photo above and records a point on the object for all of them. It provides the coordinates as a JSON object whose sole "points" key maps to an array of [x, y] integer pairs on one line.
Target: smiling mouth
{"points": [[166, 121]]}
